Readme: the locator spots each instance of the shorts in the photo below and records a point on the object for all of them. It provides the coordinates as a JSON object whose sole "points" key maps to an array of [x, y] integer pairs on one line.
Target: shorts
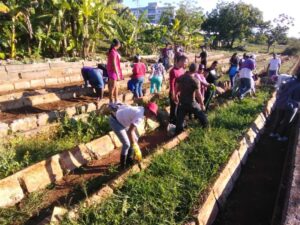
{"points": [[272, 73], [113, 76]]}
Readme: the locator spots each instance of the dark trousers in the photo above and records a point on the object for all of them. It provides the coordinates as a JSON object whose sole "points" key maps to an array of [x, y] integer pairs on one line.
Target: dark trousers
{"points": [[283, 118], [173, 107], [209, 94], [245, 86], [185, 109]]}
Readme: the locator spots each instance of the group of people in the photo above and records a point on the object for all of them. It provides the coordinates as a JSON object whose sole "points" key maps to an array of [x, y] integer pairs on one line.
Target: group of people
{"points": [[190, 92]]}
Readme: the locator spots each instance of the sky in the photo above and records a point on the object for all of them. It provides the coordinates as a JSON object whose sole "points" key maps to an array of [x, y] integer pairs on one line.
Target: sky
{"points": [[271, 9]]}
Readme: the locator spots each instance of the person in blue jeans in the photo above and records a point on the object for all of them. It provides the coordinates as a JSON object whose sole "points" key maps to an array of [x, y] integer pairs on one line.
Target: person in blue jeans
{"points": [[124, 123], [94, 77], [138, 75], [157, 76]]}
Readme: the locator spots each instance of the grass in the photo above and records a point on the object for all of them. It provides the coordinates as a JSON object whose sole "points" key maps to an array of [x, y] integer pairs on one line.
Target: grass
{"points": [[21, 152], [170, 187]]}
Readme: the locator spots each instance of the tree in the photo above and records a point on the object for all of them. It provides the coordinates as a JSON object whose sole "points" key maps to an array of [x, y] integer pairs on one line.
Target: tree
{"points": [[278, 32], [18, 13], [232, 21]]}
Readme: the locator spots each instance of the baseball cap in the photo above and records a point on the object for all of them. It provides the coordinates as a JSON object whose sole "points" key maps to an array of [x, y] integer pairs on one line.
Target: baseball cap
{"points": [[151, 106]]}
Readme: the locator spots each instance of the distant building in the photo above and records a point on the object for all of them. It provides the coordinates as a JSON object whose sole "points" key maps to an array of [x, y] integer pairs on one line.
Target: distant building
{"points": [[153, 12]]}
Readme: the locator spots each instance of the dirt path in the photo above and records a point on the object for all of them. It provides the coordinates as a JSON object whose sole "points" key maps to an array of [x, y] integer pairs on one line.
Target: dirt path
{"points": [[255, 198]]}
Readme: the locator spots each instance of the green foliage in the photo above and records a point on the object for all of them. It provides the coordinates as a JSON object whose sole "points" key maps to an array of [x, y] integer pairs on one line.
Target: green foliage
{"points": [[232, 21], [19, 152], [166, 192]]}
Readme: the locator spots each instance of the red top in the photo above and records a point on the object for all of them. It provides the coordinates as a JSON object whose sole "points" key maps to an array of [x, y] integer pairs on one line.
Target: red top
{"points": [[114, 55], [174, 74], [139, 70]]}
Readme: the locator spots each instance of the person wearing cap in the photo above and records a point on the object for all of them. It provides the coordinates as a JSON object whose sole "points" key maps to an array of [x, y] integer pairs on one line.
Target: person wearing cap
{"points": [[124, 123], [138, 75]]}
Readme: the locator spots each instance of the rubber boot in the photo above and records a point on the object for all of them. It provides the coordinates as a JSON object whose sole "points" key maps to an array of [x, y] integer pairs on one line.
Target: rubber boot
{"points": [[129, 159], [122, 162]]}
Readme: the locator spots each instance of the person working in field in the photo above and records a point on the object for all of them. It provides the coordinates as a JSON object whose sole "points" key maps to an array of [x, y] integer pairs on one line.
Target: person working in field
{"points": [[274, 66], [124, 122], [157, 77], [94, 77], [286, 107], [189, 99], [114, 70], [246, 76], [138, 75], [211, 77], [177, 71], [203, 56]]}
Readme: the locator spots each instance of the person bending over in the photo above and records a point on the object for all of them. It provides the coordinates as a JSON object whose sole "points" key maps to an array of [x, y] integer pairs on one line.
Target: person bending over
{"points": [[124, 123]]}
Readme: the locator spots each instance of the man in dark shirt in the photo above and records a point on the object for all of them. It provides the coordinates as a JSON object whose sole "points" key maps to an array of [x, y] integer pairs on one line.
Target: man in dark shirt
{"points": [[187, 91], [211, 78], [203, 56]]}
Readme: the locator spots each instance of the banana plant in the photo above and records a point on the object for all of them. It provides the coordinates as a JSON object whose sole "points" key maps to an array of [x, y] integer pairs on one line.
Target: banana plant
{"points": [[18, 12]]}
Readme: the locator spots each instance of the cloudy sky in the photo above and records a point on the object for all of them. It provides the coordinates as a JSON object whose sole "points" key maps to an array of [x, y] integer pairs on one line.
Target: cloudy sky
{"points": [[271, 9]]}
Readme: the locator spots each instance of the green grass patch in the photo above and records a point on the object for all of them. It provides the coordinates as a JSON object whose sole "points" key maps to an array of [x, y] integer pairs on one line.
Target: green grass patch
{"points": [[170, 187], [21, 152]]}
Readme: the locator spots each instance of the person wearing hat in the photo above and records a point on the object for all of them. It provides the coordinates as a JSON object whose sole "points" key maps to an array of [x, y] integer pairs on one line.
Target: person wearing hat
{"points": [[124, 123], [138, 76]]}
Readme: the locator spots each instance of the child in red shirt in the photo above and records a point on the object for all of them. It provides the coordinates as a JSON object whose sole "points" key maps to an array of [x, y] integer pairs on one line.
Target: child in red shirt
{"points": [[138, 76]]}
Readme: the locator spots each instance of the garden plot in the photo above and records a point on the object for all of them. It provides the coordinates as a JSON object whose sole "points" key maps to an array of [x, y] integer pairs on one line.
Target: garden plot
{"points": [[38, 114]]}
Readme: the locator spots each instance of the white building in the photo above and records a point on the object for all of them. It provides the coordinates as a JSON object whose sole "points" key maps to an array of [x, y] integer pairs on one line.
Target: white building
{"points": [[153, 12]]}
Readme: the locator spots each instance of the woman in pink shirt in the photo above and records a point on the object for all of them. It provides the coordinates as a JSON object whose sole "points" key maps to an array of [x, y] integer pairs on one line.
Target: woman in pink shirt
{"points": [[114, 70], [203, 83], [138, 76]]}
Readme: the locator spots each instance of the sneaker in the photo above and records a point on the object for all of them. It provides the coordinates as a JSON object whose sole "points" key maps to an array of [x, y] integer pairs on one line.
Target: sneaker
{"points": [[282, 139], [274, 135]]}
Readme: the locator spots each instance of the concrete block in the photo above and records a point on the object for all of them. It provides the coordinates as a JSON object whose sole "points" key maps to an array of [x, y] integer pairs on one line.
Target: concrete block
{"points": [[208, 211], [25, 124], [6, 87], [222, 187], [14, 104], [51, 81], [10, 191], [172, 143], [45, 118], [37, 83], [141, 128], [183, 136], [4, 128], [101, 146], [22, 85], [243, 151], [58, 215], [75, 158], [70, 111], [100, 195], [115, 139], [91, 107], [42, 99], [61, 80], [34, 74], [234, 166], [39, 175], [75, 78]]}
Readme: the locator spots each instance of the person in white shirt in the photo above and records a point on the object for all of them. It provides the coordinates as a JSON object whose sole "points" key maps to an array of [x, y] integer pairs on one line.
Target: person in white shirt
{"points": [[124, 123], [274, 66]]}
